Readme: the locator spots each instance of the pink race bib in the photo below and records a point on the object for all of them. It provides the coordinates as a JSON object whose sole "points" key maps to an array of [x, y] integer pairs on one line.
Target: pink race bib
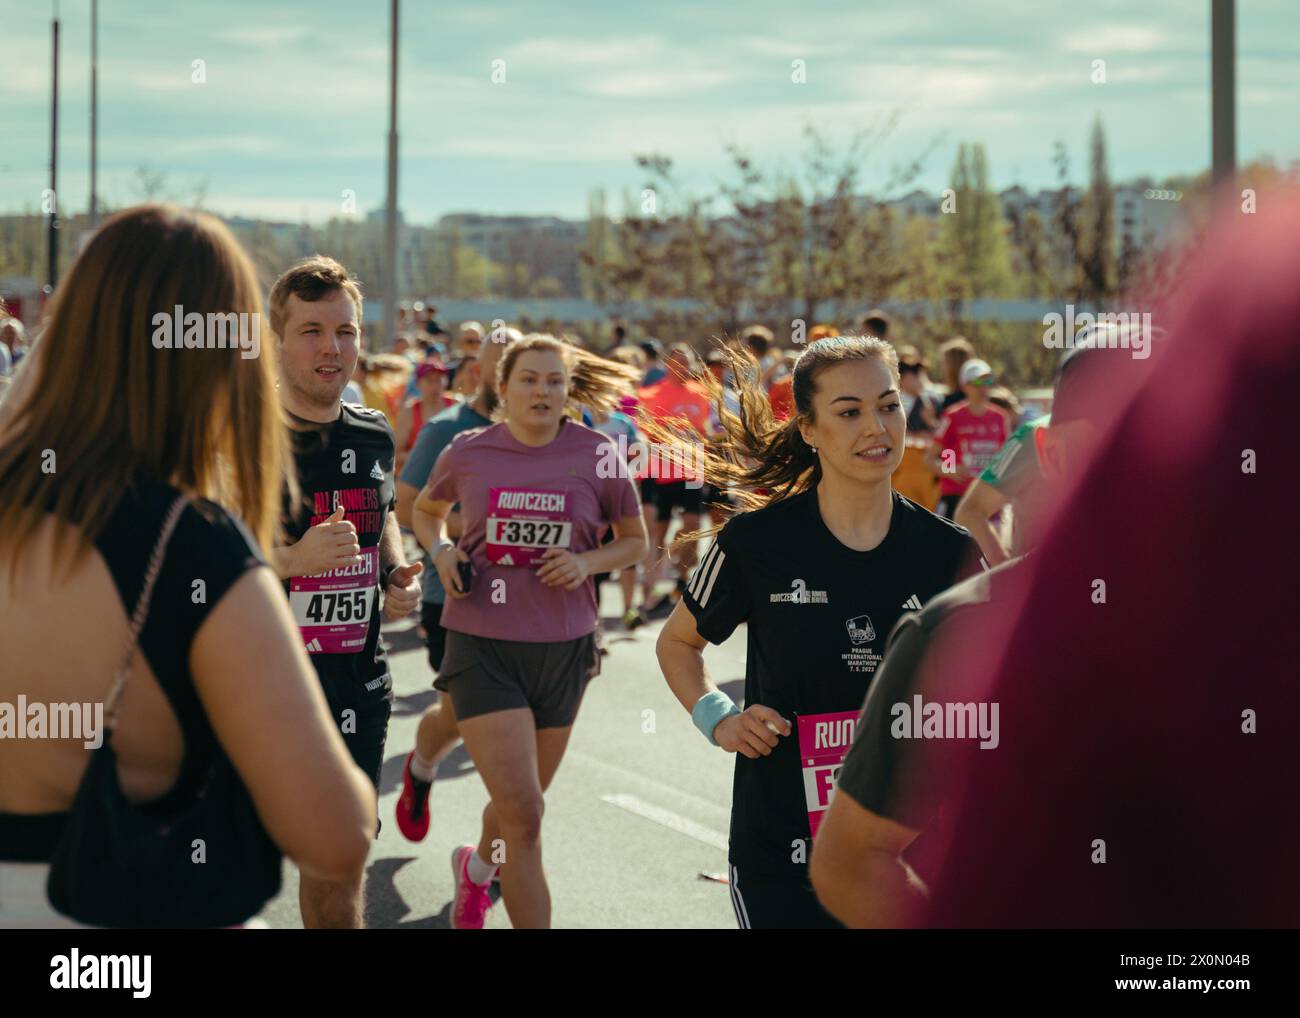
{"points": [[332, 610], [824, 741], [523, 523]]}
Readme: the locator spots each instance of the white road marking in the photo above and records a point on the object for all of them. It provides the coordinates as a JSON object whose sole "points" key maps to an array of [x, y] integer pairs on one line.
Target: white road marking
{"points": [[667, 818], [637, 776]]}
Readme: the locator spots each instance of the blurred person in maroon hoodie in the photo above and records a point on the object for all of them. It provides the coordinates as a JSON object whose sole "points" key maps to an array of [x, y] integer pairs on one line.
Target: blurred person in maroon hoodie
{"points": [[1141, 661]]}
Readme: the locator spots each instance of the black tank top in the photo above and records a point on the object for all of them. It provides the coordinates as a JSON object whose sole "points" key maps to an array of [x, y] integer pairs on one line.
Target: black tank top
{"points": [[209, 551]]}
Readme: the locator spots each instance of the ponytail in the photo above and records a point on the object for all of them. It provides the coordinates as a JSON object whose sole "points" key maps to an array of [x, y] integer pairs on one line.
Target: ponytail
{"points": [[594, 381]]}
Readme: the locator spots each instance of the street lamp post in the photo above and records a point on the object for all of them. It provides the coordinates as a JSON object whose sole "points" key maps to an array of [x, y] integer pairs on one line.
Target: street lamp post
{"points": [[1223, 89], [52, 219], [94, 111], [390, 217]]}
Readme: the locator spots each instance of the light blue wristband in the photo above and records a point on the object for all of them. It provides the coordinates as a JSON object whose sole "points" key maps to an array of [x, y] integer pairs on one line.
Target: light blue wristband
{"points": [[710, 709]]}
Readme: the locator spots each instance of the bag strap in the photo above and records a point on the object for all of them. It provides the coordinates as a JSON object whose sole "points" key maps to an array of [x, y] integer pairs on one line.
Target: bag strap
{"points": [[141, 612]]}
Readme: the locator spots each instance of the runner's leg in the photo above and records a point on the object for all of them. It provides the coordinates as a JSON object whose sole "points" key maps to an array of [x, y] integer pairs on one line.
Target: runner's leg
{"points": [[504, 748], [438, 731], [650, 570], [551, 744], [627, 584], [341, 906], [689, 554], [329, 906]]}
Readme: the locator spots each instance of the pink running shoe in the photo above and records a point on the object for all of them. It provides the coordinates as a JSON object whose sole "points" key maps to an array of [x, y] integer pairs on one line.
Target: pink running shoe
{"points": [[472, 900]]}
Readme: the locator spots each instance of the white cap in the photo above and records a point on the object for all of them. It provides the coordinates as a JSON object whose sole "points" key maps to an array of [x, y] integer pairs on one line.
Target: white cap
{"points": [[973, 369]]}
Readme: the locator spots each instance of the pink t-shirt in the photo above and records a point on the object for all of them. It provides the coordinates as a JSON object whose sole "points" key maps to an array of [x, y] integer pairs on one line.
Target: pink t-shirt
{"points": [[975, 439], [516, 501]]}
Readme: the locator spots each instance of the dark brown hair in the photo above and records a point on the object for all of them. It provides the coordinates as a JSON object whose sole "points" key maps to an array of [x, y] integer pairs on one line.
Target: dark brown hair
{"points": [[97, 393], [956, 352], [312, 279]]}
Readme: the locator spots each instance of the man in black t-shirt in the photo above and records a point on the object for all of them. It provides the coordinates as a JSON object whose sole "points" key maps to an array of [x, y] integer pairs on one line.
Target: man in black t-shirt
{"points": [[818, 615], [345, 547]]}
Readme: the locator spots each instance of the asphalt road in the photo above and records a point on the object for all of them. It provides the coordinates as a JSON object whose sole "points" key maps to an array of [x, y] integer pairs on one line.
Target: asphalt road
{"points": [[637, 812]]}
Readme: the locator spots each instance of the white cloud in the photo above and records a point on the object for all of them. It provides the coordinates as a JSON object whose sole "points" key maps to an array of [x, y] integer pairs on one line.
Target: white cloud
{"points": [[1131, 74], [783, 47], [280, 207], [1106, 39], [664, 81], [266, 36], [568, 51]]}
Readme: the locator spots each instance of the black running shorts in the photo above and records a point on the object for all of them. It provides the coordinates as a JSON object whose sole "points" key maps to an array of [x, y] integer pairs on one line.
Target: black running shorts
{"points": [[365, 728], [767, 904], [672, 495], [435, 637]]}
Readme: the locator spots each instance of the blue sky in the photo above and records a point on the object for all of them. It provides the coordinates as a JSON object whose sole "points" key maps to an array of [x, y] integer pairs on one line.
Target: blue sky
{"points": [[294, 109]]}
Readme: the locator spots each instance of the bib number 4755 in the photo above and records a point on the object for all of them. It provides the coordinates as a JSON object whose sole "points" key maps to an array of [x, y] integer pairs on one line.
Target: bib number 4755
{"points": [[342, 606]]}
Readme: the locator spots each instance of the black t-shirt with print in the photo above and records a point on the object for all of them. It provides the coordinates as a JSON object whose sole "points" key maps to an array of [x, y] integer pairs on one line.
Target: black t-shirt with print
{"points": [[818, 613], [350, 463]]}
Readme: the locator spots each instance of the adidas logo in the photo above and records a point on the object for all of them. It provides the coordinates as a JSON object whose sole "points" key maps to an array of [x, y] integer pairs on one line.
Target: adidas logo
{"points": [[314, 647], [377, 472], [505, 560], [913, 603]]}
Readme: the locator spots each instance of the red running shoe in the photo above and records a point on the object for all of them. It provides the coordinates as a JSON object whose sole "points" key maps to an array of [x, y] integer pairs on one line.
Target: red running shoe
{"points": [[413, 804]]}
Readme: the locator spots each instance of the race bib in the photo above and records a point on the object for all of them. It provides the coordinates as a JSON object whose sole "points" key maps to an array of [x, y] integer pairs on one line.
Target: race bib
{"points": [[523, 523], [979, 454], [333, 610], [824, 741]]}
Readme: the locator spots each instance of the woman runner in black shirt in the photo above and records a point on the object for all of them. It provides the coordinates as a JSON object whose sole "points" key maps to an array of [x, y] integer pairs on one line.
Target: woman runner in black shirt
{"points": [[822, 565]]}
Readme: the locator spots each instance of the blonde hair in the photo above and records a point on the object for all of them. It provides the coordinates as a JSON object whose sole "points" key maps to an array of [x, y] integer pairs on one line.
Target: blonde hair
{"points": [[105, 403], [757, 451], [632, 356]]}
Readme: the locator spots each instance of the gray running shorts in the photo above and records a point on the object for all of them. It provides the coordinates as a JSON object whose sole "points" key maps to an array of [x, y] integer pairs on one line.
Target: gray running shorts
{"points": [[483, 676]]}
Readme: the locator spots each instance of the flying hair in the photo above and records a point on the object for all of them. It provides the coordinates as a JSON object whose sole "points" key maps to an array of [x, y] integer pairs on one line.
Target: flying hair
{"points": [[756, 451]]}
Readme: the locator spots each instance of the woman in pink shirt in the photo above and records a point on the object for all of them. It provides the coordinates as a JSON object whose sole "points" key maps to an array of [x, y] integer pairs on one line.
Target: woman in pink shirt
{"points": [[535, 492]]}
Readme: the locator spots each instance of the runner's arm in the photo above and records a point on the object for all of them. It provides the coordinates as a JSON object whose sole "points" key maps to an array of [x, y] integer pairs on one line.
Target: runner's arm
{"points": [[429, 521], [680, 649], [430, 528], [282, 561], [330, 544], [857, 871], [629, 546], [406, 496], [390, 545], [977, 507]]}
